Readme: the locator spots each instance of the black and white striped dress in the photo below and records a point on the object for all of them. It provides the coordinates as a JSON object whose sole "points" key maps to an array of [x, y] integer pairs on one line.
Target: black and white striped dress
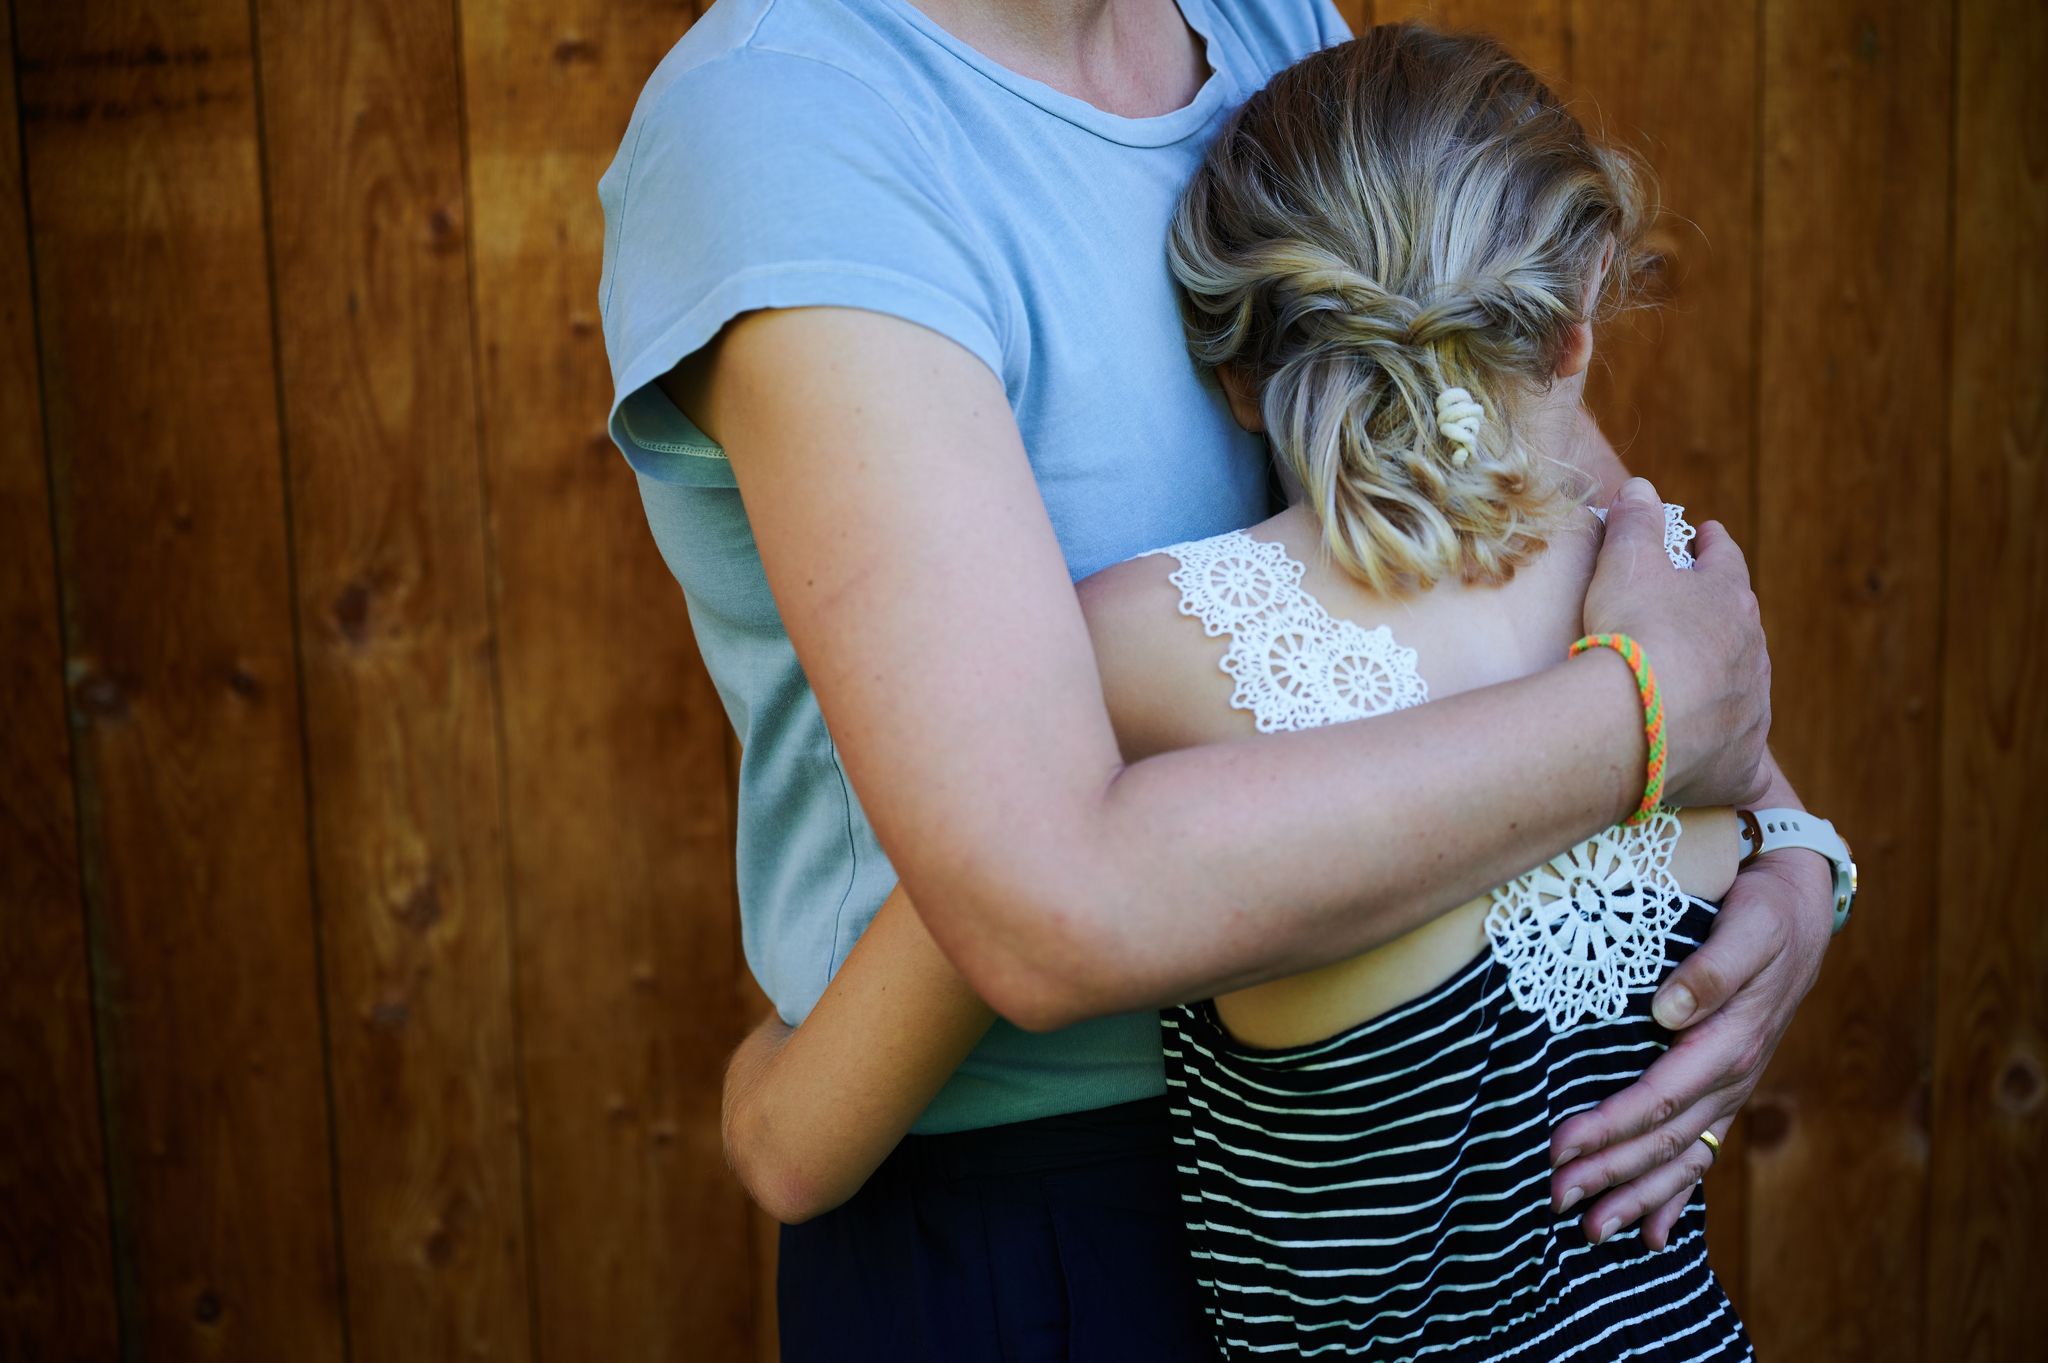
{"points": [[1385, 1193]]}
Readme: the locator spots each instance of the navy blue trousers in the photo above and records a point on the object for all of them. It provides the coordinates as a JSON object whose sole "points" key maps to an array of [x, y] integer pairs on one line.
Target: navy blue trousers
{"points": [[1051, 1241]]}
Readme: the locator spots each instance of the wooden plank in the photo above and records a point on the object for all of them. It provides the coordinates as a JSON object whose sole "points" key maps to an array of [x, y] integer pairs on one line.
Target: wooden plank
{"points": [[1854, 243], [765, 1241], [1536, 31], [363, 143], [1988, 1197], [141, 161], [55, 1258], [622, 853], [1674, 385]]}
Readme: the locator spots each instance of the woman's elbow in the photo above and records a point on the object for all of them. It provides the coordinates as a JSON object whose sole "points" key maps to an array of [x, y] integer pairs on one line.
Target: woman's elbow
{"points": [[1049, 979], [779, 1185], [788, 1196], [774, 1178]]}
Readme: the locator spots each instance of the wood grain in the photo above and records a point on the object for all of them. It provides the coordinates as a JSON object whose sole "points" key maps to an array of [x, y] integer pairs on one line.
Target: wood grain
{"points": [[56, 1264], [765, 1240], [141, 158], [1987, 1235], [1536, 31], [1854, 251], [524, 925], [618, 811], [363, 142], [1674, 384]]}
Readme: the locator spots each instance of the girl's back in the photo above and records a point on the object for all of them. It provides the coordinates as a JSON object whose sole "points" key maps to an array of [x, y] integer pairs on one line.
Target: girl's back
{"points": [[1391, 259], [1165, 679], [1363, 1150]]}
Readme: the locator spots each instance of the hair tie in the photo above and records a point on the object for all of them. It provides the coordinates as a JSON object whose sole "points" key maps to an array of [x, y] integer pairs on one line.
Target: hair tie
{"points": [[1458, 416]]}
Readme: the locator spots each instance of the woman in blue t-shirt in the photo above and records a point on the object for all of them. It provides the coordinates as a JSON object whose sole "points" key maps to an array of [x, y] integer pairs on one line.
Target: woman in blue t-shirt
{"points": [[901, 267]]}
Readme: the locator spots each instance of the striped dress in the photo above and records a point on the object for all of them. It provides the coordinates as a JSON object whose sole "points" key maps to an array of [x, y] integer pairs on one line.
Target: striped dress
{"points": [[1385, 1193]]}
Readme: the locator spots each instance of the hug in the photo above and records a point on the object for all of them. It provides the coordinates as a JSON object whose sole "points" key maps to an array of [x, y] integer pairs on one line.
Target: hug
{"points": [[1251, 821]]}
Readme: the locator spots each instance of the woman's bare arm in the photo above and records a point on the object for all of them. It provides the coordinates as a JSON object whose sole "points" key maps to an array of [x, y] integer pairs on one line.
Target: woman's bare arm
{"points": [[919, 578], [812, 1111], [1638, 1154]]}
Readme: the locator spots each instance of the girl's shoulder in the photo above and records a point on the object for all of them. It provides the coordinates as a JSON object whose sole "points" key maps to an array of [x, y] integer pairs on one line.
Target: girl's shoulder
{"points": [[1159, 658], [1255, 630]]}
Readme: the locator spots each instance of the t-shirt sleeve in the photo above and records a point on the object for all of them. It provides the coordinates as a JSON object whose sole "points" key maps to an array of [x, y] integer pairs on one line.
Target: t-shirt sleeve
{"points": [[764, 180], [1280, 34], [1330, 25]]}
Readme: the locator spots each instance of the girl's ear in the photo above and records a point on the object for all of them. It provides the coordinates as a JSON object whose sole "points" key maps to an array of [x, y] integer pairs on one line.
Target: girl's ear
{"points": [[1578, 347], [1244, 402], [1578, 352]]}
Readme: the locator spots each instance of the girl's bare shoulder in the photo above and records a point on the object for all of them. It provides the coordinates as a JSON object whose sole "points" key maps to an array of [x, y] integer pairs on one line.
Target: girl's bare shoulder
{"points": [[1160, 669]]}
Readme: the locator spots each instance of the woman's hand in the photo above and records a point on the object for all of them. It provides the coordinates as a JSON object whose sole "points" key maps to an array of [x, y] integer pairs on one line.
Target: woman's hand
{"points": [[1638, 1154], [1702, 634]]}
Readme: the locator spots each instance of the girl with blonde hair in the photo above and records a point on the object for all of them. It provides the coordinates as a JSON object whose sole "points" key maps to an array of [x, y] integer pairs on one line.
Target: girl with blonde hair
{"points": [[1392, 257]]}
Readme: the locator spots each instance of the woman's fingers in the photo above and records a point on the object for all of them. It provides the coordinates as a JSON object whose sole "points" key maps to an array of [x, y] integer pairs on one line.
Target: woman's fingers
{"points": [[1659, 1194], [1702, 634], [1746, 938], [1632, 545], [1699, 1066], [1584, 1182], [1659, 1224], [1714, 550]]}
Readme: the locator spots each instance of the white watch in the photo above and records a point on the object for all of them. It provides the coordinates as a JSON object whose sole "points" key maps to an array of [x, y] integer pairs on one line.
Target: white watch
{"points": [[1767, 830]]}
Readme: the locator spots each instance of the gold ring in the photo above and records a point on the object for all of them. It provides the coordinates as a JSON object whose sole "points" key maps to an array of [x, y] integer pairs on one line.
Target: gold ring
{"points": [[1713, 1144]]}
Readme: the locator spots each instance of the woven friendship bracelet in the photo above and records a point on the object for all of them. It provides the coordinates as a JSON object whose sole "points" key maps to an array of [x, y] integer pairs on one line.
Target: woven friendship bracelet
{"points": [[1653, 713]]}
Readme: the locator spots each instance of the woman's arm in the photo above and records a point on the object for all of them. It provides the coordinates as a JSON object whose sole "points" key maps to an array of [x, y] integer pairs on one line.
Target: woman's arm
{"points": [[920, 580], [1638, 1154], [811, 1111]]}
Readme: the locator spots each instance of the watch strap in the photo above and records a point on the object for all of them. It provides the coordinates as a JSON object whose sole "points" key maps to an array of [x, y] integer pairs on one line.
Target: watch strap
{"points": [[1767, 830]]}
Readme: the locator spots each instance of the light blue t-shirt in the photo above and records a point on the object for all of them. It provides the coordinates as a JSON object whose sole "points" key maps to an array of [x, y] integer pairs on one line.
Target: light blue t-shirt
{"points": [[851, 153]]}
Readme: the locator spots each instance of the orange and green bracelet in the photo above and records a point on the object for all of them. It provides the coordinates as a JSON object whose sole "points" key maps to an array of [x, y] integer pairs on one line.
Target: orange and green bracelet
{"points": [[1653, 712]]}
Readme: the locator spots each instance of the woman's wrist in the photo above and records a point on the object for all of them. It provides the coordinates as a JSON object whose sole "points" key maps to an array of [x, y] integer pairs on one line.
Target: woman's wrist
{"points": [[1625, 647], [1810, 878], [1612, 695]]}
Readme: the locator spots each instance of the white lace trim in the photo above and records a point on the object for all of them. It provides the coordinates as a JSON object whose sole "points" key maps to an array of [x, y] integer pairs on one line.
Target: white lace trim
{"points": [[1678, 533], [1586, 929], [1578, 934], [1296, 665]]}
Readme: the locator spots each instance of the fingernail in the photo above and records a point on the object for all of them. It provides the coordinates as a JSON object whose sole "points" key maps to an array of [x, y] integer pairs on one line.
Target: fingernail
{"points": [[1570, 1153], [1605, 1229], [1569, 1200], [1634, 490], [1673, 1007]]}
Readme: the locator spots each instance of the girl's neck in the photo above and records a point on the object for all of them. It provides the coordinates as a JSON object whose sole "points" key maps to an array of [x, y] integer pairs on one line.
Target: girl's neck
{"points": [[1558, 430]]}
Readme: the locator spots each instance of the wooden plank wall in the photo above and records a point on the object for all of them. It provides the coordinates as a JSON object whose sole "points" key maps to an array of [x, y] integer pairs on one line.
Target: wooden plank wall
{"points": [[367, 946]]}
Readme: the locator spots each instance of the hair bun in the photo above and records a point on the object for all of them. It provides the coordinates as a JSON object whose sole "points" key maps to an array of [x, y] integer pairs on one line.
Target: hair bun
{"points": [[1405, 220]]}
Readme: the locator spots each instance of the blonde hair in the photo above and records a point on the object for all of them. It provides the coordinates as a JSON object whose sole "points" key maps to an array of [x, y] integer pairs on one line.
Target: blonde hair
{"points": [[1403, 214]]}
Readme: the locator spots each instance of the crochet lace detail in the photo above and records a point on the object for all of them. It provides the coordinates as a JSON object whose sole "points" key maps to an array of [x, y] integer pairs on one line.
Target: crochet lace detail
{"points": [[1296, 665], [1678, 534], [1578, 934], [1586, 929]]}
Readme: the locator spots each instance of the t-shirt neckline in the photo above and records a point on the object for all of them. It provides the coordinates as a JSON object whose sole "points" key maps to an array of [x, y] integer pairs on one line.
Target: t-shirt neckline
{"points": [[1157, 131]]}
